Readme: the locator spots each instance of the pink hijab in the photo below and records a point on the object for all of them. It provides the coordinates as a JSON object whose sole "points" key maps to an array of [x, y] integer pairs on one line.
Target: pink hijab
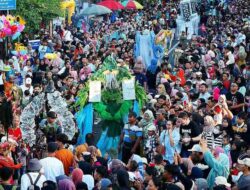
{"points": [[216, 93], [66, 184], [77, 175]]}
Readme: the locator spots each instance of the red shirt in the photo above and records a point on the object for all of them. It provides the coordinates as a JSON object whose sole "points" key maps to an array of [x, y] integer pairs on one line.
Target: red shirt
{"points": [[226, 84], [16, 133]]}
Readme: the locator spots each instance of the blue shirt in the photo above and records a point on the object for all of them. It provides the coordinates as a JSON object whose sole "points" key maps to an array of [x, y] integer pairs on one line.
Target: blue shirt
{"points": [[131, 133], [169, 150], [141, 78]]}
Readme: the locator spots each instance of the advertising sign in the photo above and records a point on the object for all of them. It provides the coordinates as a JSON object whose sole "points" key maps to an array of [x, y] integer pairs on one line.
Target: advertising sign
{"points": [[7, 4]]}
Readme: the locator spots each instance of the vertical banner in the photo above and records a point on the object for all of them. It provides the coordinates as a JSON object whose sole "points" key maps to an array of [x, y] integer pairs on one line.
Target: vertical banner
{"points": [[128, 89], [94, 91]]}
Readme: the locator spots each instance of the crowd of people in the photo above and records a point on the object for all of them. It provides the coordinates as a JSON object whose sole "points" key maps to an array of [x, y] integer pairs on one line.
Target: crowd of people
{"points": [[191, 134]]}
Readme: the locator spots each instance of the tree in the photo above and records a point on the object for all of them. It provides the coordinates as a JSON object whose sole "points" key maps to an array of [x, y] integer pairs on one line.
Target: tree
{"points": [[37, 11]]}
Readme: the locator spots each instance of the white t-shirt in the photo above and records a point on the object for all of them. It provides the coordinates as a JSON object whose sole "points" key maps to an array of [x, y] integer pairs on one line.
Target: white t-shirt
{"points": [[52, 168], [23, 87], [205, 96], [89, 180], [67, 36], [25, 181]]}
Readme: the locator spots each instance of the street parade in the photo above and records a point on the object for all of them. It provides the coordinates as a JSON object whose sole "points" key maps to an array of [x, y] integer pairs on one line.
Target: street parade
{"points": [[124, 95]]}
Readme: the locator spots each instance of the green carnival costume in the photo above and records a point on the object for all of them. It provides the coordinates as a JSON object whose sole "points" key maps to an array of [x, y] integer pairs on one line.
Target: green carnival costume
{"points": [[112, 108]]}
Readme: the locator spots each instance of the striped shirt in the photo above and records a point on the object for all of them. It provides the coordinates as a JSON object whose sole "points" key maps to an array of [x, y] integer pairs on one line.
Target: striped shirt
{"points": [[213, 141], [131, 133]]}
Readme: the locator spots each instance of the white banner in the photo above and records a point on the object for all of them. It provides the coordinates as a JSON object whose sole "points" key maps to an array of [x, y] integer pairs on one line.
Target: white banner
{"points": [[128, 89], [95, 91]]}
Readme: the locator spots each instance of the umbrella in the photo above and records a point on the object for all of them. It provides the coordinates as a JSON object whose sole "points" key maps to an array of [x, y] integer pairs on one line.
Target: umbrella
{"points": [[132, 4], [111, 4], [95, 10]]}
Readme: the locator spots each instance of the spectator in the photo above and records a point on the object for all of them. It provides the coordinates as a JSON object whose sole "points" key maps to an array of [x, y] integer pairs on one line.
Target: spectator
{"points": [[51, 165], [6, 177], [244, 180], [169, 138], [219, 164], [130, 137], [63, 154], [189, 132], [34, 175]]}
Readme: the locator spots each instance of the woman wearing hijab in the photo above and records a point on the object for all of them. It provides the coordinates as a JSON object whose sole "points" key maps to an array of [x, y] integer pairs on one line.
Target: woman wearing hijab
{"points": [[151, 73], [209, 124], [219, 163], [146, 122], [212, 133], [66, 184], [77, 175], [161, 90]]}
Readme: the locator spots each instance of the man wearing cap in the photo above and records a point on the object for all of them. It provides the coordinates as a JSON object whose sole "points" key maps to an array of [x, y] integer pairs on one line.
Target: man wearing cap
{"points": [[51, 127], [198, 81], [51, 165], [27, 85], [33, 175], [244, 166]]}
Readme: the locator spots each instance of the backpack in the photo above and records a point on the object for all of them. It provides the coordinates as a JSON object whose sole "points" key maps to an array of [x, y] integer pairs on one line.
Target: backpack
{"points": [[13, 187], [33, 186]]}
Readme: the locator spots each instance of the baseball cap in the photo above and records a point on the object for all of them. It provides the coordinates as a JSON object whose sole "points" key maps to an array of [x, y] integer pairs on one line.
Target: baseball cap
{"points": [[52, 114], [28, 81], [234, 84], [10, 60], [220, 180], [198, 73], [161, 111], [195, 148], [244, 160], [105, 183], [119, 60]]}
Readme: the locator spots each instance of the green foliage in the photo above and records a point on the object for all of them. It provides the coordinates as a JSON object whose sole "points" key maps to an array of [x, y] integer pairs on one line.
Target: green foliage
{"points": [[36, 11], [121, 110], [82, 97], [112, 95], [140, 95]]}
